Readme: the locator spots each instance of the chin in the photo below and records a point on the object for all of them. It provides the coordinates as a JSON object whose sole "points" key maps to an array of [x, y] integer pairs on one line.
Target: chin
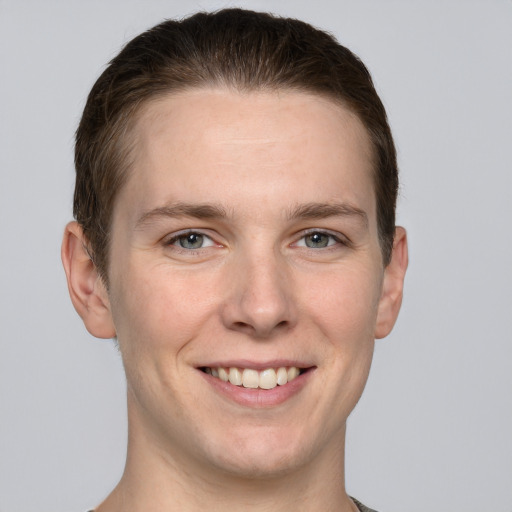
{"points": [[259, 467], [262, 456]]}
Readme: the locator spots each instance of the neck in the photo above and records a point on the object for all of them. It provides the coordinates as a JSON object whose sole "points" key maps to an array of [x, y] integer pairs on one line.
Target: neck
{"points": [[159, 479]]}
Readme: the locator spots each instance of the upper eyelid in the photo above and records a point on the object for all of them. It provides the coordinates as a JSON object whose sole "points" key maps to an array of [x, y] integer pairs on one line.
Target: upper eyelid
{"points": [[334, 234], [188, 231], [324, 231], [171, 238]]}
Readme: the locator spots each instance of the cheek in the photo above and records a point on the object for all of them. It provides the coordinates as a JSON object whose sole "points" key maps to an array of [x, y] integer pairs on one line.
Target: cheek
{"points": [[159, 309], [345, 302], [348, 314]]}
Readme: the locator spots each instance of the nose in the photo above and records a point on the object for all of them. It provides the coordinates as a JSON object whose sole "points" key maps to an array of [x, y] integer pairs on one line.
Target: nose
{"points": [[260, 303]]}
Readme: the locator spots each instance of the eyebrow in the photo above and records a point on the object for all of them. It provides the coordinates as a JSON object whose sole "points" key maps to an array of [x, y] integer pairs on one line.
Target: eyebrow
{"points": [[199, 211], [324, 210], [212, 211]]}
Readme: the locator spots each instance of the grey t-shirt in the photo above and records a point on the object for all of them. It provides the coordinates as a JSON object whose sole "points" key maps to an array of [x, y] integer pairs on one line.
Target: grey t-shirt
{"points": [[359, 505]]}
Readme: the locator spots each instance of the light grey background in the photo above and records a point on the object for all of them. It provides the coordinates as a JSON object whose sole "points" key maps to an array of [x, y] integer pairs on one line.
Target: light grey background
{"points": [[433, 431]]}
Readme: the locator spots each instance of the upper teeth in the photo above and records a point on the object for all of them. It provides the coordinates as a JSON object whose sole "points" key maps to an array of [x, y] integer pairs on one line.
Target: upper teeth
{"points": [[248, 378]]}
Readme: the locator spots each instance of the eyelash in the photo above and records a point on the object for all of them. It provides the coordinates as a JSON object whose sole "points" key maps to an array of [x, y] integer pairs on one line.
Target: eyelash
{"points": [[174, 239], [336, 238]]}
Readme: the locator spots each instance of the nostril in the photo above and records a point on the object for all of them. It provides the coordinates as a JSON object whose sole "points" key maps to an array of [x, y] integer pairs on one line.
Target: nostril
{"points": [[259, 330], [243, 327]]}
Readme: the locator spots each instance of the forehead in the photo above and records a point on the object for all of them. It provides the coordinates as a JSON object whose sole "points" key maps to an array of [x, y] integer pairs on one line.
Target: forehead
{"points": [[273, 147]]}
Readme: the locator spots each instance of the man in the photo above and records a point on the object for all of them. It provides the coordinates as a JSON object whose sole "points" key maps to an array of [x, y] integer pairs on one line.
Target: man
{"points": [[234, 205]]}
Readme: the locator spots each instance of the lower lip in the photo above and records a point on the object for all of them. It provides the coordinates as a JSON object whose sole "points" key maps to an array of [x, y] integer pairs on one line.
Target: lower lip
{"points": [[259, 398]]}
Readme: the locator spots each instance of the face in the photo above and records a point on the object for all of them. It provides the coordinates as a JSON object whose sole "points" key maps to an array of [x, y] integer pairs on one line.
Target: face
{"points": [[246, 277]]}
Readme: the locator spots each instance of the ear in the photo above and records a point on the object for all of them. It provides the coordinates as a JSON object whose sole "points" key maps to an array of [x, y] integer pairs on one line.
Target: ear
{"points": [[86, 288], [393, 285]]}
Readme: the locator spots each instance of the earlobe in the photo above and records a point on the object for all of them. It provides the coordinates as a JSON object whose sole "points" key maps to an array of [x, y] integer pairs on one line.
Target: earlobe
{"points": [[86, 288], [393, 284]]}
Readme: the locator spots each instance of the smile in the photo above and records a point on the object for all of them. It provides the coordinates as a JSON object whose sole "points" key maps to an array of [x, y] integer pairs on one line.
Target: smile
{"points": [[249, 378]]}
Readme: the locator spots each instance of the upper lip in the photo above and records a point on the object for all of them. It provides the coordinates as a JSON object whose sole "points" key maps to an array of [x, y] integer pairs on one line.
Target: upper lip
{"points": [[256, 365]]}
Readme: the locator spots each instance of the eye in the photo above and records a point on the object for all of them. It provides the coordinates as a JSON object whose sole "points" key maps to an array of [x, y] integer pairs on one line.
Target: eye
{"points": [[191, 241], [318, 240]]}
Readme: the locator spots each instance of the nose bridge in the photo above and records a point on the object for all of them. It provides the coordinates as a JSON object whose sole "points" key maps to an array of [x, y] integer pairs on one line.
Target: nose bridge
{"points": [[261, 298]]}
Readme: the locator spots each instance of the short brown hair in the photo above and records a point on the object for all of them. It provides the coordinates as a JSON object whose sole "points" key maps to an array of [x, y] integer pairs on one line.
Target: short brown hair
{"points": [[236, 48]]}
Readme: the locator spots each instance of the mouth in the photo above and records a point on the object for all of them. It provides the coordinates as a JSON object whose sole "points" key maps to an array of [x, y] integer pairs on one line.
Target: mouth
{"points": [[266, 379]]}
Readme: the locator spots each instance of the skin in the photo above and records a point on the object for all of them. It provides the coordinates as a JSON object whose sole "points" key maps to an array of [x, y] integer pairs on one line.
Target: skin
{"points": [[273, 168]]}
